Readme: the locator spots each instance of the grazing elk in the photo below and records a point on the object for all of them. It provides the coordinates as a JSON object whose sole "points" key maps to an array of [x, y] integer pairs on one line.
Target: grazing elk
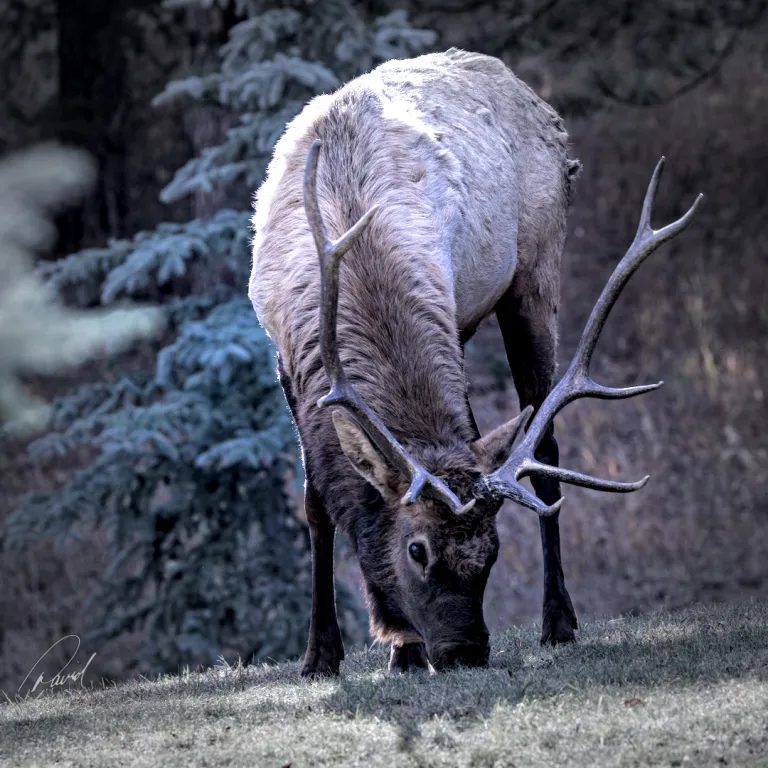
{"points": [[463, 173]]}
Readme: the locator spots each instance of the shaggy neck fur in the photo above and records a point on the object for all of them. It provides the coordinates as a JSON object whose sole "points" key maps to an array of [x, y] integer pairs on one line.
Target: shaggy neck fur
{"points": [[398, 338], [399, 348]]}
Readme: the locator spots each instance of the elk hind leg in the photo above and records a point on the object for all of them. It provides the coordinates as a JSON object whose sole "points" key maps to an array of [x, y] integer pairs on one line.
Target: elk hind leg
{"points": [[527, 316]]}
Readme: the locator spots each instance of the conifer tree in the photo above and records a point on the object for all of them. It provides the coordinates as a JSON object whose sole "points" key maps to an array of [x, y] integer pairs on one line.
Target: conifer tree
{"points": [[196, 461]]}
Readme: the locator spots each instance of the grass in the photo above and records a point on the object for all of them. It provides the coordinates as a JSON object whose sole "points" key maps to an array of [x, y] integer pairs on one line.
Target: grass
{"points": [[688, 688]]}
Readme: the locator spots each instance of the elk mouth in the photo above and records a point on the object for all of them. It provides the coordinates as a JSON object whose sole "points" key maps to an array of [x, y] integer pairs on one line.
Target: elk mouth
{"points": [[462, 654]]}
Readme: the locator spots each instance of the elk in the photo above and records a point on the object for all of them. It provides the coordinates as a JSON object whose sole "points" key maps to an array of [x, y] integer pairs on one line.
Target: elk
{"points": [[397, 214]]}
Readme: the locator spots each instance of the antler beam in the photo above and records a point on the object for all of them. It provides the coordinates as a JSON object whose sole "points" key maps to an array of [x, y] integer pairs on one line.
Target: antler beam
{"points": [[343, 394], [577, 381]]}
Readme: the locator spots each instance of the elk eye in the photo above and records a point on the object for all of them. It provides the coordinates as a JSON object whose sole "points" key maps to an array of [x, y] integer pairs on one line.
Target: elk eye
{"points": [[419, 553]]}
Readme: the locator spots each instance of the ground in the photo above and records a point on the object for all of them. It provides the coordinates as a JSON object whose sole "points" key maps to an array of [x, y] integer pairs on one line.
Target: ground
{"points": [[680, 688]]}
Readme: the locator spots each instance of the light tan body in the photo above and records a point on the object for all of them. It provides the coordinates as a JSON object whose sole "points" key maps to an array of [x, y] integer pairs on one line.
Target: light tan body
{"points": [[471, 171]]}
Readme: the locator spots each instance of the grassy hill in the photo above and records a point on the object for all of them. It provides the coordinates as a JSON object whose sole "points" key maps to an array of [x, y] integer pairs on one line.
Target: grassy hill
{"points": [[676, 689]]}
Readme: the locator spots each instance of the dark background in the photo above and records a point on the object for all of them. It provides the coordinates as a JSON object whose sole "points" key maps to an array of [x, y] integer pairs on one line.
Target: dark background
{"points": [[634, 81]]}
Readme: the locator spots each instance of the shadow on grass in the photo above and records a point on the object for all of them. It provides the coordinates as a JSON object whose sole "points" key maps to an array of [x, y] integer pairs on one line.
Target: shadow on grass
{"points": [[665, 652], [699, 646]]}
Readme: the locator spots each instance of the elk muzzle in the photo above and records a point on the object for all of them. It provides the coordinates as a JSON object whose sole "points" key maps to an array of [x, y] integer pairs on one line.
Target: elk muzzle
{"points": [[468, 653]]}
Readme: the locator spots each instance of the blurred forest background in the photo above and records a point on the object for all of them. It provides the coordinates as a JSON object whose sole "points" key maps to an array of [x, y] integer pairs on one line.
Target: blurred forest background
{"points": [[156, 513]]}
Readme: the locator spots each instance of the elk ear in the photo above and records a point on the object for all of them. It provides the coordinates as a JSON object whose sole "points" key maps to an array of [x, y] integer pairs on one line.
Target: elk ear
{"points": [[363, 454], [493, 449]]}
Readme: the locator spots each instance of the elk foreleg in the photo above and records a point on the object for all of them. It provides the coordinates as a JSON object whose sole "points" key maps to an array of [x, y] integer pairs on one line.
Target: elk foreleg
{"points": [[472, 422], [325, 648], [527, 318]]}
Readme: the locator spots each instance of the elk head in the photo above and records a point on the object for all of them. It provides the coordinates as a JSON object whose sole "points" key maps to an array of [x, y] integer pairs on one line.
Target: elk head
{"points": [[441, 548]]}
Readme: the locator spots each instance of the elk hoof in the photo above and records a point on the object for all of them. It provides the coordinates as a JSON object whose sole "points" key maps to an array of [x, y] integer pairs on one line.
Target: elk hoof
{"points": [[322, 662], [558, 622], [408, 657]]}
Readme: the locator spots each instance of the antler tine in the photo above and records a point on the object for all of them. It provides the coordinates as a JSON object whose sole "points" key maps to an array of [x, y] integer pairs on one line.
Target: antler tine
{"points": [[577, 381], [342, 393], [646, 241]]}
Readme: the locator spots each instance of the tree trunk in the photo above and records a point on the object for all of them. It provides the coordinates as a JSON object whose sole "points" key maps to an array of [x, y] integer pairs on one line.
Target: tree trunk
{"points": [[92, 102]]}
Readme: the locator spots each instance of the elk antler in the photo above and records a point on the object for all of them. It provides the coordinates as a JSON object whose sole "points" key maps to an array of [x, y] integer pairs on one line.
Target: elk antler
{"points": [[342, 393], [578, 383]]}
